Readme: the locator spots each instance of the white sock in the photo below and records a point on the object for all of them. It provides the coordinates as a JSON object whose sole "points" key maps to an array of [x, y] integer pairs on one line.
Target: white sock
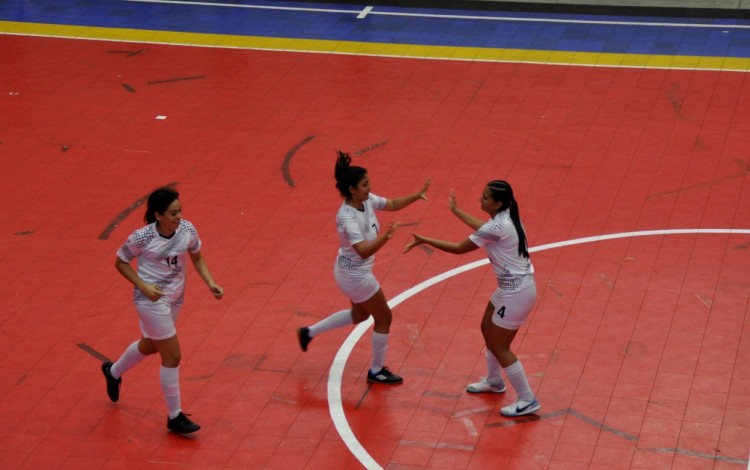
{"points": [[129, 358], [170, 386], [379, 347], [517, 378], [331, 322], [494, 377]]}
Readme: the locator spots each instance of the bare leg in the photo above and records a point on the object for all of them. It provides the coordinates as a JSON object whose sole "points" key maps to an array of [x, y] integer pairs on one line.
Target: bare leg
{"points": [[498, 340]]}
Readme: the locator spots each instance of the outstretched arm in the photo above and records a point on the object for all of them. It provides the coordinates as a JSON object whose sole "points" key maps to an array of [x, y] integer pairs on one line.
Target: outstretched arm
{"points": [[401, 202], [458, 248], [465, 217], [205, 274]]}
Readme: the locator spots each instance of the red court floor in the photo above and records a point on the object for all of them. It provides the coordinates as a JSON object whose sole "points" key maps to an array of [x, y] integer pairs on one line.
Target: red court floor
{"points": [[639, 345]]}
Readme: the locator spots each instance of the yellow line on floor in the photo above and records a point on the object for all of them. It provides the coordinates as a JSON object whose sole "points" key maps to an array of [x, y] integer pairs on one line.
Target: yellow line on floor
{"points": [[377, 49]]}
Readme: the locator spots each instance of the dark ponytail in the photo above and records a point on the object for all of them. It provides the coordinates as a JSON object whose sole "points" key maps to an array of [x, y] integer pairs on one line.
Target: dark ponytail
{"points": [[159, 201], [346, 174], [502, 192]]}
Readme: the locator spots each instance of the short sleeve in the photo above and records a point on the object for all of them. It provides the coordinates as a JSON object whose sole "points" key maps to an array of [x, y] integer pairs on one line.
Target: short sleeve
{"points": [[135, 244], [378, 202], [482, 238], [195, 243]]}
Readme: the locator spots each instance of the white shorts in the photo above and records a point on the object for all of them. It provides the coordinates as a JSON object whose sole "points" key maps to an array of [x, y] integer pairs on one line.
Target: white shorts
{"points": [[357, 285], [157, 319], [512, 307]]}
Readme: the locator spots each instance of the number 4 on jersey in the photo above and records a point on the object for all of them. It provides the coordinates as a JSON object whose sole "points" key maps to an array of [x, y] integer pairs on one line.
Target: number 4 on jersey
{"points": [[501, 311]]}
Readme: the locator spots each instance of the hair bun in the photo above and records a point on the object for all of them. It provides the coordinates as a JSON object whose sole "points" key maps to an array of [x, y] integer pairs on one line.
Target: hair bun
{"points": [[343, 161]]}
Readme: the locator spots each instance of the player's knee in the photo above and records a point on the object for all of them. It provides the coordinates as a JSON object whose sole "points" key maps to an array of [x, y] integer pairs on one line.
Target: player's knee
{"points": [[171, 358], [358, 316], [382, 322]]}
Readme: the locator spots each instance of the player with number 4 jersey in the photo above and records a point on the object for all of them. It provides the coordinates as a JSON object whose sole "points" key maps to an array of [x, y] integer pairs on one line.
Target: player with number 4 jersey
{"points": [[504, 239]]}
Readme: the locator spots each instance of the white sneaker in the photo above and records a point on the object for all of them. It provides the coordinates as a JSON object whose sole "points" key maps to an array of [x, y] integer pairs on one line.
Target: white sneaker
{"points": [[520, 408], [483, 386]]}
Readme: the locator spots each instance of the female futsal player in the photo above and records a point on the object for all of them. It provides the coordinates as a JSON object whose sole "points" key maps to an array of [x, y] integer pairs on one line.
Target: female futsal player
{"points": [[161, 248], [360, 238], [504, 240]]}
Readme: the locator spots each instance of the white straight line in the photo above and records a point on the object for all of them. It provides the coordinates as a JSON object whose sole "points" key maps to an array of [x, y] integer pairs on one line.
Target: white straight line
{"points": [[369, 10], [229, 5], [471, 430], [364, 13], [335, 403], [565, 21], [462, 414]]}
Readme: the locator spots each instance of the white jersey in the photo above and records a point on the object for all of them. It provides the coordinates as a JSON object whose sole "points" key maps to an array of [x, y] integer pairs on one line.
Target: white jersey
{"points": [[499, 238], [161, 261], [354, 226]]}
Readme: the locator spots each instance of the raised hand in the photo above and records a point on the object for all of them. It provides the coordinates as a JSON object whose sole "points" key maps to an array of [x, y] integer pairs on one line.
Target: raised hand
{"points": [[416, 241], [391, 229], [452, 200], [423, 193]]}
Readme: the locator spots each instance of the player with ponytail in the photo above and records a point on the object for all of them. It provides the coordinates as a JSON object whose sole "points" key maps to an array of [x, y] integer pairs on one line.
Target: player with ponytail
{"points": [[504, 239], [360, 238]]}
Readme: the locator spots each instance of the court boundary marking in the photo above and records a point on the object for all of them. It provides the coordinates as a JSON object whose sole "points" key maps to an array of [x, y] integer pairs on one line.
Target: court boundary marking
{"points": [[370, 10], [380, 50], [335, 403]]}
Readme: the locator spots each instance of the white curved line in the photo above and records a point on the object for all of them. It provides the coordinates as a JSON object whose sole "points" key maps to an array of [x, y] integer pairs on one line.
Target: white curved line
{"points": [[335, 404]]}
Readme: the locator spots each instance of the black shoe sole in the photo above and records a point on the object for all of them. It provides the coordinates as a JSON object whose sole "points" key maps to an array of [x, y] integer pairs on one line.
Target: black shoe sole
{"points": [[184, 431], [182, 425], [385, 383]]}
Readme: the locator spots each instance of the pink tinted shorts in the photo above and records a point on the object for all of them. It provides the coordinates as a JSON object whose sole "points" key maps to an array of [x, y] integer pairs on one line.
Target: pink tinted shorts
{"points": [[512, 307], [357, 285], [157, 319]]}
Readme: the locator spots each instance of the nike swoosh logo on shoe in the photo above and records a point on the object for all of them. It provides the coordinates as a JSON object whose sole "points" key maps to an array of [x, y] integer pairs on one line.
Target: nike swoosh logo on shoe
{"points": [[521, 409]]}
